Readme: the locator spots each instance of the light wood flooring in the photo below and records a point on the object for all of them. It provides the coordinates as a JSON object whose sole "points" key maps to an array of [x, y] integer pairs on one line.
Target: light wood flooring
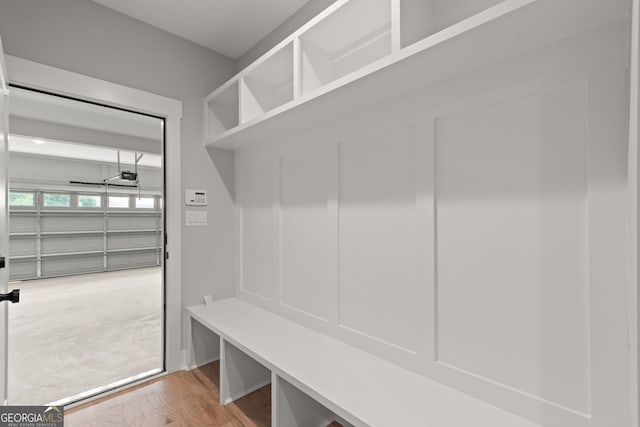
{"points": [[179, 399], [183, 398]]}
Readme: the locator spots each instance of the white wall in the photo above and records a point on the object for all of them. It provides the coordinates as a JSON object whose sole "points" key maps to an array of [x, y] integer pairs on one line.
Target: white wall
{"points": [[86, 38], [473, 231]]}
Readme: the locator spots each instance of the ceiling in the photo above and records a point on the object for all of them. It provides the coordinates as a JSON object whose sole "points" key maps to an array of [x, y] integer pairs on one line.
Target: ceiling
{"points": [[230, 27]]}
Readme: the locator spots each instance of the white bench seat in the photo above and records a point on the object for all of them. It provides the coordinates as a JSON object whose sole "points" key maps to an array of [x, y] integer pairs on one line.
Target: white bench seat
{"points": [[363, 389]]}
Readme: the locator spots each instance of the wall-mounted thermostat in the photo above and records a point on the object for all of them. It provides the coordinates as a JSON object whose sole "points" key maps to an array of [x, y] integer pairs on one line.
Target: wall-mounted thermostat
{"points": [[195, 197]]}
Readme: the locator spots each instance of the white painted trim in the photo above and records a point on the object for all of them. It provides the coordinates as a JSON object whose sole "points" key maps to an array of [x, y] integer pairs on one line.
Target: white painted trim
{"points": [[44, 77], [3, 71], [396, 34], [634, 211], [4, 225], [114, 391]]}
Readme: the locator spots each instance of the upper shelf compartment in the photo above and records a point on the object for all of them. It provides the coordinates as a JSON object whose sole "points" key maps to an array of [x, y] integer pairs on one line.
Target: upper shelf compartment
{"points": [[268, 85], [356, 35], [221, 110], [422, 18], [359, 53]]}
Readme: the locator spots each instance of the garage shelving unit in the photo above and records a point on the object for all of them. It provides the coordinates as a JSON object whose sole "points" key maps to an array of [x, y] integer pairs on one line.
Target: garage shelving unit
{"points": [[51, 242]]}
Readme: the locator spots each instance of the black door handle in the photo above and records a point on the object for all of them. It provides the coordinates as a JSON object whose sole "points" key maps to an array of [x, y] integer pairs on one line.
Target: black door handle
{"points": [[13, 296], [3, 262]]}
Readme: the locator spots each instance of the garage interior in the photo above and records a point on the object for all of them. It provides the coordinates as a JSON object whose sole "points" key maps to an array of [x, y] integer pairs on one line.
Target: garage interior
{"points": [[86, 247]]}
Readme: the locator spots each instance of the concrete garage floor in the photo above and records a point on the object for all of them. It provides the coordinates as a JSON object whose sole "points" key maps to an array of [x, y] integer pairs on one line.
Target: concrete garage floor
{"points": [[72, 334]]}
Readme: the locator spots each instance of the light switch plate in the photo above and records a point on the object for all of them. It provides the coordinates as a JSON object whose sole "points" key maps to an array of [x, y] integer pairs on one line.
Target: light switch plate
{"points": [[196, 218]]}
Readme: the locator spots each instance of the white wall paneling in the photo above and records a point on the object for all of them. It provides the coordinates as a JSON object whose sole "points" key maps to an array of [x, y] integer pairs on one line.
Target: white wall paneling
{"points": [[259, 241], [379, 293], [472, 231], [513, 243], [305, 232], [568, 194]]}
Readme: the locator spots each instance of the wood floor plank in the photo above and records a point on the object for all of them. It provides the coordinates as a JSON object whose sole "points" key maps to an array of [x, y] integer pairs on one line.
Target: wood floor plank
{"points": [[254, 409], [189, 399]]}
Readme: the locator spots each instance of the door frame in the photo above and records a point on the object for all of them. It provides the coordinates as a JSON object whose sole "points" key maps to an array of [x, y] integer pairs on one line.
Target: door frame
{"points": [[55, 80], [633, 172], [4, 224]]}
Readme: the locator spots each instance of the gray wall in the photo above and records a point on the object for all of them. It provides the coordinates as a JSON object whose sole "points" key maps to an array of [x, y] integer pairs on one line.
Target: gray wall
{"points": [[84, 37], [301, 17]]}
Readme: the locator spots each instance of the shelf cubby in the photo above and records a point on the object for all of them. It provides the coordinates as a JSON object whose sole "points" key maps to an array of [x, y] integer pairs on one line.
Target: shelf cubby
{"points": [[204, 345], [221, 108], [421, 18], [268, 85], [240, 374], [356, 35], [294, 408]]}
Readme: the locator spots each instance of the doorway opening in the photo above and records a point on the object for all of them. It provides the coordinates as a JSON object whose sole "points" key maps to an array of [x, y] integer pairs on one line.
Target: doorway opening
{"points": [[87, 227]]}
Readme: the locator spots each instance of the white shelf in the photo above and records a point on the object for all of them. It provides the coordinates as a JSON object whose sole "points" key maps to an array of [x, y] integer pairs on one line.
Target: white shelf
{"points": [[422, 18], [457, 38], [356, 35], [268, 85], [221, 110]]}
